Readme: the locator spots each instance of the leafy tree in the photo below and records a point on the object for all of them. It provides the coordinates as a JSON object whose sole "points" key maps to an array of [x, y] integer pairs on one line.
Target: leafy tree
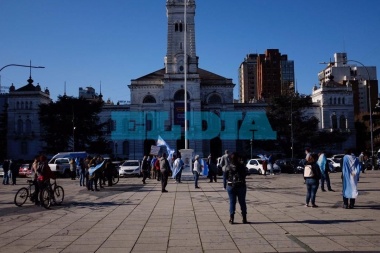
{"points": [[286, 115], [72, 123]]}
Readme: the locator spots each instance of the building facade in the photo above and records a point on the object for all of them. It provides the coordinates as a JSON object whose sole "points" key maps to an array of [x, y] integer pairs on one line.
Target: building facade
{"points": [[263, 76], [24, 130]]}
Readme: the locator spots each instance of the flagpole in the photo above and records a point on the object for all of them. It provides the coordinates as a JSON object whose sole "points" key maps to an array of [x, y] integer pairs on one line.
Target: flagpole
{"points": [[185, 71]]}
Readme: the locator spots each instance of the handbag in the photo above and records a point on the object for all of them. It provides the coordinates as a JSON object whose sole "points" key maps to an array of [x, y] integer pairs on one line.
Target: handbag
{"points": [[308, 171]]}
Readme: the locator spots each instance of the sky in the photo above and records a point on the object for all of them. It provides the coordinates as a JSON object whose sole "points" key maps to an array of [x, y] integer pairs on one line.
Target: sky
{"points": [[108, 43]]}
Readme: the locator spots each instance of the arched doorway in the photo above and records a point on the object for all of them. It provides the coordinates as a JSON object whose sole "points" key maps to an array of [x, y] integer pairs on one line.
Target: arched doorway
{"points": [[216, 147]]}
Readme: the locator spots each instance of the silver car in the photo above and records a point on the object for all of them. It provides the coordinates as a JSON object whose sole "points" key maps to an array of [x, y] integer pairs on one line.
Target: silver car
{"points": [[130, 168]]}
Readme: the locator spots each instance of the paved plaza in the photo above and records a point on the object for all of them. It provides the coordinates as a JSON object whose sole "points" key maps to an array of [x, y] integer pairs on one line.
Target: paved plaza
{"points": [[132, 217]]}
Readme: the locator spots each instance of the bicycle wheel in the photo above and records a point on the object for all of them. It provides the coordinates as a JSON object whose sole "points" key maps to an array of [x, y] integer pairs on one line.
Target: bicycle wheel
{"points": [[115, 179], [59, 194], [21, 196], [45, 198]]}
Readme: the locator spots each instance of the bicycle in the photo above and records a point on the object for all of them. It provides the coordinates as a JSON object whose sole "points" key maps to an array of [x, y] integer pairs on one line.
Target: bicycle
{"points": [[52, 194], [25, 193]]}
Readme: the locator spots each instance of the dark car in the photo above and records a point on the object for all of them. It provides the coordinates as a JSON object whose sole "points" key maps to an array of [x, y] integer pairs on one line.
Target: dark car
{"points": [[289, 165], [25, 170]]}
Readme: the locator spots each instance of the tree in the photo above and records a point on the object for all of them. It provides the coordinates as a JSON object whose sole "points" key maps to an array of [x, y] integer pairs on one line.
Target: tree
{"points": [[286, 115], [72, 123]]}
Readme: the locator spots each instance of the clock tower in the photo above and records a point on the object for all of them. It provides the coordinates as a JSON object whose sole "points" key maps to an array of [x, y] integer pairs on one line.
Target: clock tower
{"points": [[177, 27]]}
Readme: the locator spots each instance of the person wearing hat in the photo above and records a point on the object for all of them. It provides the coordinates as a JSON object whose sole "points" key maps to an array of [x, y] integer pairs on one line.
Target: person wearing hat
{"points": [[197, 170]]}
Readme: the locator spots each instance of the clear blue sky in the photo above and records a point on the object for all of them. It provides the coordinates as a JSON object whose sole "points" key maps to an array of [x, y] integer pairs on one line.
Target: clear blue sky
{"points": [[85, 42]]}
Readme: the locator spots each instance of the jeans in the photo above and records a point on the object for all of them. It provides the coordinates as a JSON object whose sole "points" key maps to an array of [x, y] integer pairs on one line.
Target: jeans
{"points": [[224, 180], [178, 176], [82, 178], [312, 187], [6, 177], [325, 177], [239, 193], [196, 178], [164, 180]]}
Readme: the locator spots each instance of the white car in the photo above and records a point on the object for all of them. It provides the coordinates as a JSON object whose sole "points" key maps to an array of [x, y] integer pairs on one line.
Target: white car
{"points": [[334, 164], [255, 166], [1, 170], [130, 168]]}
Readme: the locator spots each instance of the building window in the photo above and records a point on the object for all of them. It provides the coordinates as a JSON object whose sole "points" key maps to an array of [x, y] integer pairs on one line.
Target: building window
{"points": [[176, 27], [20, 126], [334, 121], [343, 101], [18, 105], [342, 122], [28, 126], [180, 95], [125, 148], [24, 148], [214, 99], [149, 100]]}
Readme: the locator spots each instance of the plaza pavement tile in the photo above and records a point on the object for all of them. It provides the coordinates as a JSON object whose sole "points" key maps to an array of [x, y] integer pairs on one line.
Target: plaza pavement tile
{"points": [[132, 217]]}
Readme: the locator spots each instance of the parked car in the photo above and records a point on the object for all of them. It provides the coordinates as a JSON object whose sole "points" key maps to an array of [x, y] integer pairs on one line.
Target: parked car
{"points": [[334, 164], [130, 168], [25, 170], [288, 165], [338, 157], [60, 166], [255, 166]]}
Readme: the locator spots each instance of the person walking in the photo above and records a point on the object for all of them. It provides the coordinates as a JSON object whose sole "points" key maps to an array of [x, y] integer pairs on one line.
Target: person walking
{"points": [[197, 170], [350, 177], [212, 168], [270, 164], [312, 176], [224, 163], [6, 172], [13, 171], [324, 168], [362, 162], [145, 169], [177, 169], [236, 187], [165, 170], [265, 165], [73, 169], [82, 172]]}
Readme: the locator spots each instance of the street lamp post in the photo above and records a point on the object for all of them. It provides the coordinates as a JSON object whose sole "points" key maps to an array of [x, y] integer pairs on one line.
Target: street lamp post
{"points": [[369, 100], [20, 65], [291, 127]]}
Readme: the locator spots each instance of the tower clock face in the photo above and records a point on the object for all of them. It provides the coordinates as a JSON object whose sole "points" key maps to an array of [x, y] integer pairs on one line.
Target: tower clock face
{"points": [[181, 68]]}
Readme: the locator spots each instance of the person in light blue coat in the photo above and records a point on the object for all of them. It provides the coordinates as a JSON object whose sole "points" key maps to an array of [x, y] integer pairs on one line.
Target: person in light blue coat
{"points": [[324, 167], [350, 177]]}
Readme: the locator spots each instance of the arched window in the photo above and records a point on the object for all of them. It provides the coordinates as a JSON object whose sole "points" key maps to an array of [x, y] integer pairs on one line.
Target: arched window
{"points": [[180, 27], [125, 148], [149, 100], [28, 126], [18, 105], [22, 104], [343, 101], [330, 101], [20, 126], [334, 121], [215, 99], [338, 101], [180, 95], [30, 105], [334, 101], [176, 27], [26, 105], [342, 122]]}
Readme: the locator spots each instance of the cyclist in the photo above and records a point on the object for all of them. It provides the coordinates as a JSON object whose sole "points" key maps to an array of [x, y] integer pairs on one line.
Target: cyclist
{"points": [[44, 174]]}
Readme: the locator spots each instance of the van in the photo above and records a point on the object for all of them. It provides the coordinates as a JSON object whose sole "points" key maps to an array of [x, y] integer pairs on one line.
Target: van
{"points": [[59, 164]]}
